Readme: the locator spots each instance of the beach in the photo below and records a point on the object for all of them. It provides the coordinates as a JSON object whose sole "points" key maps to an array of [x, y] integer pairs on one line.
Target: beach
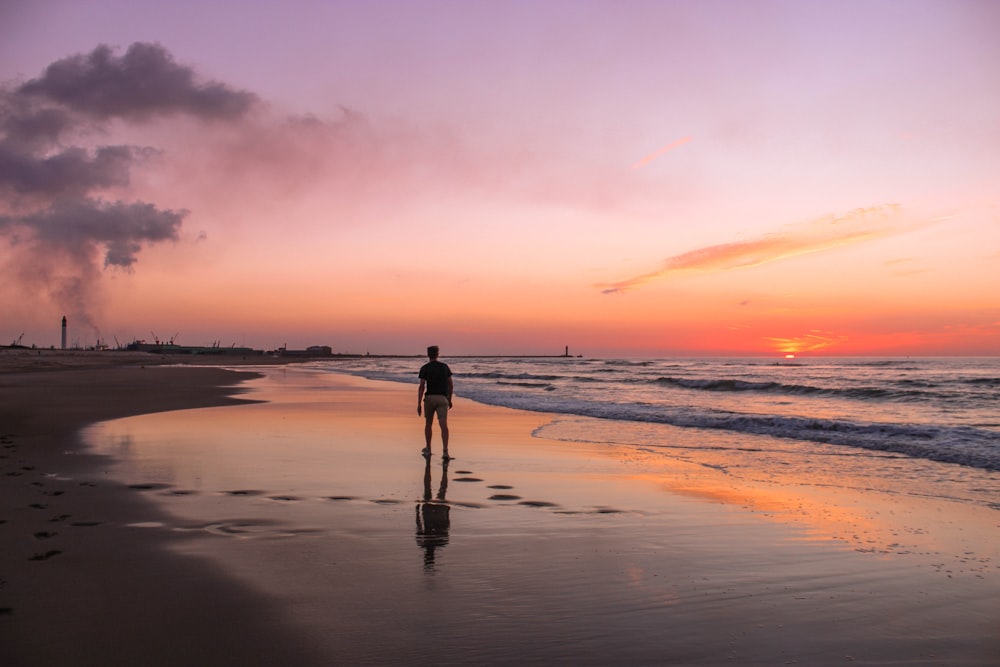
{"points": [[274, 515]]}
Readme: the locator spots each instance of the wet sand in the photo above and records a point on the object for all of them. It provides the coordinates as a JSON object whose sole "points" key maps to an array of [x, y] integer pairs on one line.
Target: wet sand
{"points": [[339, 552], [77, 585]]}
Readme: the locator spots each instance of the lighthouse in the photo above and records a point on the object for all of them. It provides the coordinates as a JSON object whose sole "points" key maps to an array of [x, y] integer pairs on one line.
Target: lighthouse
{"points": [[64, 333]]}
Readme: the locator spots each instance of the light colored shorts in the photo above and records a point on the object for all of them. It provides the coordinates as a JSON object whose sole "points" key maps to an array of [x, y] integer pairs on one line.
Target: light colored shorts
{"points": [[436, 403]]}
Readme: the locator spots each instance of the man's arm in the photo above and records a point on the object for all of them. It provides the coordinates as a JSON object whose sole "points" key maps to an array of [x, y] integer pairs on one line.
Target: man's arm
{"points": [[451, 390], [420, 395]]}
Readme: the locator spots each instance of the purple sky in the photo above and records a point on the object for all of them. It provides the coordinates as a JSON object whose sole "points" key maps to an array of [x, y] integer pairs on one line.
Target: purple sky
{"points": [[631, 177]]}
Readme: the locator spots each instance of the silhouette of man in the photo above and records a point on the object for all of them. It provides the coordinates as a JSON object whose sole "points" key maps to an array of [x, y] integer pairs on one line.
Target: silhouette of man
{"points": [[434, 398]]}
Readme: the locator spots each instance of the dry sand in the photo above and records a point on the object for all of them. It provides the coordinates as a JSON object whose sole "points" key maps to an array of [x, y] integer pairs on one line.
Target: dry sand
{"points": [[553, 553]]}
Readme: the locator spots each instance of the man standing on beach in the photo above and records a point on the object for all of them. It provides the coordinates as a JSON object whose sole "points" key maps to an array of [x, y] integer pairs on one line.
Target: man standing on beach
{"points": [[434, 397]]}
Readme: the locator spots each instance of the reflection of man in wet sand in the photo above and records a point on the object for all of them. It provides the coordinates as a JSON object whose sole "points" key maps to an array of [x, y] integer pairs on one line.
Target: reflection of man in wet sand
{"points": [[434, 397], [433, 520]]}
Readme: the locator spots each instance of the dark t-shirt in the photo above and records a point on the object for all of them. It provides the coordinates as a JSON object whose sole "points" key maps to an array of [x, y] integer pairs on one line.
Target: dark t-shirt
{"points": [[436, 374]]}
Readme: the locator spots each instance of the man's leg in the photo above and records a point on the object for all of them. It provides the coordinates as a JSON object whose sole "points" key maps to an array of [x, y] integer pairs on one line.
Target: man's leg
{"points": [[429, 430], [443, 422]]}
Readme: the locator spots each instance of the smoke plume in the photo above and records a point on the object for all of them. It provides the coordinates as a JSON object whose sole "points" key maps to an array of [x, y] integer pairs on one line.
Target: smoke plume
{"points": [[58, 207]]}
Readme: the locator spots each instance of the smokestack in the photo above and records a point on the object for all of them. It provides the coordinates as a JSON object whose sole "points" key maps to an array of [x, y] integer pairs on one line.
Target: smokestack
{"points": [[64, 333]]}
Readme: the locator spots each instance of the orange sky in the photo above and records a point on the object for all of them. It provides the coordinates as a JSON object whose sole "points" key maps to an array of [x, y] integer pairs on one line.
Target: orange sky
{"points": [[671, 179]]}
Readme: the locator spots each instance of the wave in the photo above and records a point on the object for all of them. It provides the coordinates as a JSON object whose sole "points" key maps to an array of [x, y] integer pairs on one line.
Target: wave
{"points": [[964, 429], [500, 375], [910, 390], [986, 382], [963, 445], [729, 385], [531, 385]]}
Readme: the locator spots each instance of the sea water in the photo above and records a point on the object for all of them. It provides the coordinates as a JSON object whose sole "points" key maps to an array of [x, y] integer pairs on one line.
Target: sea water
{"points": [[932, 419]]}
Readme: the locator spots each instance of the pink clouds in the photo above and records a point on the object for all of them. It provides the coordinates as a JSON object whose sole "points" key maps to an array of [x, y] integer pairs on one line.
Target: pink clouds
{"points": [[822, 234]]}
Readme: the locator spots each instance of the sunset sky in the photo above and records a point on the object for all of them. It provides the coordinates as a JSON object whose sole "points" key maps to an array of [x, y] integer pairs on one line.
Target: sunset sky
{"points": [[626, 178]]}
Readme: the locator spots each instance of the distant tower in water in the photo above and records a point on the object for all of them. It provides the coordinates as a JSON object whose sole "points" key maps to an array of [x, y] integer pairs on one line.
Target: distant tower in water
{"points": [[64, 333]]}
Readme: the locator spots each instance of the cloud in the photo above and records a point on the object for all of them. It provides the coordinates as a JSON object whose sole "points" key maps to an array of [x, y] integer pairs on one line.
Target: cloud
{"points": [[77, 227], [61, 202], [143, 83], [71, 171], [652, 156], [859, 225], [813, 341]]}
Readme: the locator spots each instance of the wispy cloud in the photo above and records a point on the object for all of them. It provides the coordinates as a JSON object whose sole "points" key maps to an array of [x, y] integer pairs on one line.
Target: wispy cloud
{"points": [[829, 232], [652, 156], [813, 341]]}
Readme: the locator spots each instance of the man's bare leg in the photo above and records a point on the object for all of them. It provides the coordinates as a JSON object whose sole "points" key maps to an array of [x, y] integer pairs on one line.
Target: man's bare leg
{"points": [[428, 432], [444, 439]]}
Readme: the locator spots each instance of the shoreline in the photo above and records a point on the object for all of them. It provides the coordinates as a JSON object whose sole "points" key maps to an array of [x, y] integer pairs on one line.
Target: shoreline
{"points": [[608, 556], [78, 585]]}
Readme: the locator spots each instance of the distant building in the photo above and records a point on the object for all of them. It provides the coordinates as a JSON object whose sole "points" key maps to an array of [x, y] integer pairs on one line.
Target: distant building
{"points": [[171, 348], [311, 351]]}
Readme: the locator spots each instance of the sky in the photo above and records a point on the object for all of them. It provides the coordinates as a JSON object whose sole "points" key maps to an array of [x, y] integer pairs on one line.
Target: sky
{"points": [[627, 178]]}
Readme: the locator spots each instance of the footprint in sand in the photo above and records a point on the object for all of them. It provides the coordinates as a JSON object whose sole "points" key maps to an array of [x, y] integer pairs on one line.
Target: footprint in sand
{"points": [[44, 535], [466, 479], [286, 499], [47, 555], [85, 524], [244, 492], [526, 503], [149, 486]]}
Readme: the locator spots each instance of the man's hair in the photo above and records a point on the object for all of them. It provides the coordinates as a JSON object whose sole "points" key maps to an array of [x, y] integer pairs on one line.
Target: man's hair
{"points": [[432, 351]]}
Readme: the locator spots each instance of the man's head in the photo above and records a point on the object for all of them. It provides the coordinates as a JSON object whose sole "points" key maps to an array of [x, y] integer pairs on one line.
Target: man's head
{"points": [[432, 352]]}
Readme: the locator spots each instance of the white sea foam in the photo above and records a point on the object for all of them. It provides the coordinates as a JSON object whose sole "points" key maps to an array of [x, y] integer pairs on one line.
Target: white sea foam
{"points": [[940, 409]]}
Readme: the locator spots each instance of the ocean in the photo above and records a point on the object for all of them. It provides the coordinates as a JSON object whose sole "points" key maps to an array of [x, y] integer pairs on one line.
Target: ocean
{"points": [[935, 421]]}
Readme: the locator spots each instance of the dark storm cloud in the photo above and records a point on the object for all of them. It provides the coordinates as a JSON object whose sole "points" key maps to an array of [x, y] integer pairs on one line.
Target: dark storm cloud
{"points": [[144, 82]]}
